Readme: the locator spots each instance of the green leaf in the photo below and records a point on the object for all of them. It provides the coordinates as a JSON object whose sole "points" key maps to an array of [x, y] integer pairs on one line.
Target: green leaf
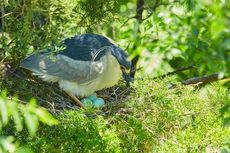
{"points": [[16, 115], [227, 121], [45, 116], [32, 105], [31, 121], [4, 112], [23, 150], [190, 4], [7, 144], [217, 27]]}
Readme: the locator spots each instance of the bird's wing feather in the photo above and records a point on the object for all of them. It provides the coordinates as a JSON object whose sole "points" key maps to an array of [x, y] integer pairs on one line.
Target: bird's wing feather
{"points": [[79, 71], [64, 67]]}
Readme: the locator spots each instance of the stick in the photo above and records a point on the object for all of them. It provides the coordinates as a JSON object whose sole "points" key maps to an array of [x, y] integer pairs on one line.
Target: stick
{"points": [[133, 66], [139, 10], [176, 71], [78, 102], [202, 79]]}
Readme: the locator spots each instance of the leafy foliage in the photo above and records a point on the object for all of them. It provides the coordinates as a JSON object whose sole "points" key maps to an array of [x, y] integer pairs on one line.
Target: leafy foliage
{"points": [[225, 112], [171, 34], [178, 34], [30, 115], [151, 119], [41, 23]]}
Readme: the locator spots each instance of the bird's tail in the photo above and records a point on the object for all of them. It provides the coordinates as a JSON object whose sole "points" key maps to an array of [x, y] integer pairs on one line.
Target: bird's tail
{"points": [[32, 62]]}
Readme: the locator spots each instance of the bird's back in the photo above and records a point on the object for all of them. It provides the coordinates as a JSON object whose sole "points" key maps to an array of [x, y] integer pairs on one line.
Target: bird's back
{"points": [[86, 47]]}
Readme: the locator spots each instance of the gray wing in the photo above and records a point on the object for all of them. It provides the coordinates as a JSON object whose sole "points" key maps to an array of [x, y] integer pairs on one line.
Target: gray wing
{"points": [[64, 67]]}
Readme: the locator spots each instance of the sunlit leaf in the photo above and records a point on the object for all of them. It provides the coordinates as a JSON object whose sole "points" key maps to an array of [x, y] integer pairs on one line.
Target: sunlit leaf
{"points": [[217, 27], [7, 144], [45, 116], [3, 111], [16, 115], [31, 121], [23, 150], [32, 105]]}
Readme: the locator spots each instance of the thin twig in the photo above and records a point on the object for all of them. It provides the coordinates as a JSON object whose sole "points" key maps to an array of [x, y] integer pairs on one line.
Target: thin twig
{"points": [[176, 71], [124, 91]]}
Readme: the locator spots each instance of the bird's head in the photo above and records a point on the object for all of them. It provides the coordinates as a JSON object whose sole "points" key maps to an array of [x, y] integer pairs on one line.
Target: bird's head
{"points": [[124, 62]]}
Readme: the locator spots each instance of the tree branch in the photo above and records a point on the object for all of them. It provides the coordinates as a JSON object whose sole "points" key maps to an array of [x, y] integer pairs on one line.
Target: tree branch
{"points": [[133, 66], [138, 16], [202, 79], [139, 10]]}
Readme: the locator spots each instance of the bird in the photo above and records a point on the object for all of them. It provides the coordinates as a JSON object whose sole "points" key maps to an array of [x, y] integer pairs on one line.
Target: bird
{"points": [[83, 64]]}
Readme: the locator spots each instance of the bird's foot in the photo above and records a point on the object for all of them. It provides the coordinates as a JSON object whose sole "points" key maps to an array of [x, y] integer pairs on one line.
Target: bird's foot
{"points": [[92, 100]]}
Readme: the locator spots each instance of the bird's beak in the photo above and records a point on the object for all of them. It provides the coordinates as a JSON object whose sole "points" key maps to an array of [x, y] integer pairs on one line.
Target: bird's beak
{"points": [[127, 78]]}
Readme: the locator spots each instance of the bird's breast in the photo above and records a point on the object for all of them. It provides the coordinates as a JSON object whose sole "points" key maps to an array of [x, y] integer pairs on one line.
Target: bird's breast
{"points": [[111, 74]]}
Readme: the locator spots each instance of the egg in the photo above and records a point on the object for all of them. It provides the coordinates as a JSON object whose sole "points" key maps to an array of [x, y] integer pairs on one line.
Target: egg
{"points": [[92, 97], [86, 102], [99, 102]]}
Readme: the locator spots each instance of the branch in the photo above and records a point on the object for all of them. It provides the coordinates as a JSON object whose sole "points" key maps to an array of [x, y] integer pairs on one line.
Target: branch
{"points": [[139, 10], [138, 16], [202, 79], [176, 71], [2, 20], [133, 66]]}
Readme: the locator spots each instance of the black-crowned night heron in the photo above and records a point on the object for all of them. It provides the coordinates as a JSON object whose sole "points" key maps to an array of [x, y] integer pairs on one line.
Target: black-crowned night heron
{"points": [[88, 63]]}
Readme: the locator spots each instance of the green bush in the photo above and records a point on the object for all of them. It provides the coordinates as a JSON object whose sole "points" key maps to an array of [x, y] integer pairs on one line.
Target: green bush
{"points": [[27, 26], [173, 34], [151, 119]]}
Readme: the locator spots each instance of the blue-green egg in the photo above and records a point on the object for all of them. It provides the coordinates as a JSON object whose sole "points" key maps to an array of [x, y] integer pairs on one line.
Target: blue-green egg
{"points": [[99, 102], [86, 102], [92, 97]]}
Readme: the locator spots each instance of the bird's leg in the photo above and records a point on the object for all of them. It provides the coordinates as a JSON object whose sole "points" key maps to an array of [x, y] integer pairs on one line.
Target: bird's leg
{"points": [[78, 102]]}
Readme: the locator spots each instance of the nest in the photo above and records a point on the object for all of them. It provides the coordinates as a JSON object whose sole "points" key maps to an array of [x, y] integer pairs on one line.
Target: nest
{"points": [[21, 83]]}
